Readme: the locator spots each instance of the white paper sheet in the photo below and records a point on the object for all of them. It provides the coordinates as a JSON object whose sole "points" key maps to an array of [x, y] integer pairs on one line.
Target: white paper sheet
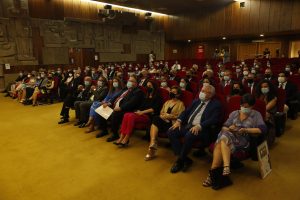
{"points": [[104, 112]]}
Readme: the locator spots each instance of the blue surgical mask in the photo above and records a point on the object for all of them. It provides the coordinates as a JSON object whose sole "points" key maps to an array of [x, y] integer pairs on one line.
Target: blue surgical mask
{"points": [[245, 110], [87, 83], [129, 84], [202, 96], [182, 85]]}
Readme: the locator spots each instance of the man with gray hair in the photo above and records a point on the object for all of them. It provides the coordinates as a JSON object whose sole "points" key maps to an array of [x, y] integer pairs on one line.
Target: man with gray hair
{"points": [[195, 123]]}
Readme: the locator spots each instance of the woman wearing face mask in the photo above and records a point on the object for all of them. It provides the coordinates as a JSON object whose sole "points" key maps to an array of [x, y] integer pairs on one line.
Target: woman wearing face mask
{"points": [[164, 84], [234, 136], [161, 123], [150, 106], [184, 84], [266, 92], [114, 90]]}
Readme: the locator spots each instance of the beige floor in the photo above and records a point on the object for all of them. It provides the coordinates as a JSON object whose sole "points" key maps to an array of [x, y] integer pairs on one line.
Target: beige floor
{"points": [[41, 160]]}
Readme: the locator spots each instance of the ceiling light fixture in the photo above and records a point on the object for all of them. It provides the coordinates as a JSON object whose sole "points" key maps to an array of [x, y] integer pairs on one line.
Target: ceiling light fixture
{"points": [[262, 35], [224, 38], [124, 7]]}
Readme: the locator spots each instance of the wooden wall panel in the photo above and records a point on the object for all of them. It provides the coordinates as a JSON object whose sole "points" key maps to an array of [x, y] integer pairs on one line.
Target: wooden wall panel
{"points": [[264, 14], [274, 19], [53, 9], [286, 17], [246, 51], [296, 15], [254, 16]]}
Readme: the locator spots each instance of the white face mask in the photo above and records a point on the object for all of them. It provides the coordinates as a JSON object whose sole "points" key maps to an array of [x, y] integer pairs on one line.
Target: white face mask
{"points": [[245, 73], [202, 96], [226, 78], [281, 79], [264, 90], [182, 85], [205, 84], [163, 84], [245, 110]]}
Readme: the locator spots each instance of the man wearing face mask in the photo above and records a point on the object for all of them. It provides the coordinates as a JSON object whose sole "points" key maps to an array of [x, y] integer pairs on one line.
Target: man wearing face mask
{"points": [[194, 124], [112, 72], [269, 75], [144, 79], [291, 94], [71, 88], [250, 84], [93, 93], [128, 100]]}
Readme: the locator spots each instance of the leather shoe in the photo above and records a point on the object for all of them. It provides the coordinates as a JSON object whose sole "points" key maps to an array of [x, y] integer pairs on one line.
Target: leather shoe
{"points": [[82, 125], [62, 121], [78, 123], [187, 164], [112, 138], [101, 134], [178, 165]]}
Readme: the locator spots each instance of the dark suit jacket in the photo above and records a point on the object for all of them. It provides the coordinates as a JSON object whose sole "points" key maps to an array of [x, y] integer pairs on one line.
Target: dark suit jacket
{"points": [[290, 91], [100, 93], [131, 101], [211, 115]]}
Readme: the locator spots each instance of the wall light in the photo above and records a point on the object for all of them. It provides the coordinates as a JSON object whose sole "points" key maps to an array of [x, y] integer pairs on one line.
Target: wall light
{"points": [[224, 38], [262, 35], [124, 7]]}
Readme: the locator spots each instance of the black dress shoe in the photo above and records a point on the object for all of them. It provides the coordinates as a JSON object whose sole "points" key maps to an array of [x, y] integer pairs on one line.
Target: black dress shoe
{"points": [[62, 121], [178, 165], [112, 138], [78, 123], [187, 164], [101, 134], [82, 125]]}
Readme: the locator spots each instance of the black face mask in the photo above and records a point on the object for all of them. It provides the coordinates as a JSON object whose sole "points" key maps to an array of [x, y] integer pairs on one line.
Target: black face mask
{"points": [[267, 75], [149, 90], [236, 91], [172, 95], [250, 81]]}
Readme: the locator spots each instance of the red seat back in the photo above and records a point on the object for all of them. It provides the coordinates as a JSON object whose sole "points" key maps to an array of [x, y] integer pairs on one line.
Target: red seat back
{"points": [[234, 103], [187, 98], [164, 94], [260, 106]]}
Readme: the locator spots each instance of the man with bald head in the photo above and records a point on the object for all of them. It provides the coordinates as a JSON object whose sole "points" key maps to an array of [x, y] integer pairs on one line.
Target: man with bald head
{"points": [[193, 124]]}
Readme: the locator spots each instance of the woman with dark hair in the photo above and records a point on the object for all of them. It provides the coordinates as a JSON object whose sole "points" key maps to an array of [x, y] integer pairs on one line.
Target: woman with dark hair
{"points": [[114, 90], [150, 106], [266, 92], [236, 89], [161, 123], [184, 84], [234, 136]]}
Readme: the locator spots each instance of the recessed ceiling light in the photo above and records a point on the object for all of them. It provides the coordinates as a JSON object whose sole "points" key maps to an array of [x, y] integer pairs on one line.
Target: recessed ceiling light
{"points": [[224, 38], [189, 40]]}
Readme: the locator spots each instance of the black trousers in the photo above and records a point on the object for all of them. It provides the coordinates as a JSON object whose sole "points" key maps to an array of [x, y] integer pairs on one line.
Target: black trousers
{"points": [[82, 109], [115, 120], [68, 103], [182, 150]]}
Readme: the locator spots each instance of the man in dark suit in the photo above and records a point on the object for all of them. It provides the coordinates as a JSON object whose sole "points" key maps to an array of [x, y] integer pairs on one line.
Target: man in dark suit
{"points": [[291, 94], [144, 78], [127, 101], [194, 124]]}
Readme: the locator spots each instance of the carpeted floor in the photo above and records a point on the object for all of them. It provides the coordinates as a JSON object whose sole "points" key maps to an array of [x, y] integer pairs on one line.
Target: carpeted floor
{"points": [[41, 160]]}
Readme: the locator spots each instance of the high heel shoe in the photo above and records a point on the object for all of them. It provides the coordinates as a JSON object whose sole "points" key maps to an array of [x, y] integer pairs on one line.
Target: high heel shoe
{"points": [[123, 145], [151, 153]]}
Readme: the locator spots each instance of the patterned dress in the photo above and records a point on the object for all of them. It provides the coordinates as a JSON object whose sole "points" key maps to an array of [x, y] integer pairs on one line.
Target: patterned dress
{"points": [[237, 141]]}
